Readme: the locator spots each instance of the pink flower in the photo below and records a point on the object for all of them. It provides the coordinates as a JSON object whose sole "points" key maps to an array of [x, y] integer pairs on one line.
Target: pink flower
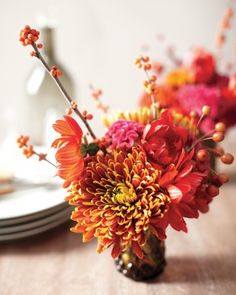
{"points": [[194, 97], [163, 141], [123, 134]]}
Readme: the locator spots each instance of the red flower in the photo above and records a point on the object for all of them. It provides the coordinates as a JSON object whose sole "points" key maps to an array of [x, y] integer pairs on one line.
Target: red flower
{"points": [[71, 162], [202, 65], [182, 182], [163, 141]]}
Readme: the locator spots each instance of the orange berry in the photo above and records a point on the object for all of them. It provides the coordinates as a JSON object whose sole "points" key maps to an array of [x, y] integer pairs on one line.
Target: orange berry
{"points": [[225, 24], [55, 71], [137, 60], [220, 127], [28, 151], [59, 72], [158, 67], [27, 28], [220, 39], [27, 42], [33, 53], [206, 110], [22, 140], [31, 37], [202, 155], [84, 113], [193, 114], [145, 58], [229, 12], [218, 136], [89, 117], [105, 109], [69, 111], [153, 78], [223, 178], [42, 156], [139, 65], [40, 45], [74, 105], [213, 190], [147, 67], [227, 158], [99, 91], [219, 151]]}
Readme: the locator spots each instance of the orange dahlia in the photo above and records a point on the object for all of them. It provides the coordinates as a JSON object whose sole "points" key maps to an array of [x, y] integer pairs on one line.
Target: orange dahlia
{"points": [[68, 145], [118, 200]]}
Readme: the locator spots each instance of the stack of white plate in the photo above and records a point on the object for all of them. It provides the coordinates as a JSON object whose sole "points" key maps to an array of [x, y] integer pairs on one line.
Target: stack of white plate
{"points": [[32, 209]]}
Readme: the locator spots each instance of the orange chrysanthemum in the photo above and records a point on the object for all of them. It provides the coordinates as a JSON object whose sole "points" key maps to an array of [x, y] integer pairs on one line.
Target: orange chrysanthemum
{"points": [[118, 200], [71, 162]]}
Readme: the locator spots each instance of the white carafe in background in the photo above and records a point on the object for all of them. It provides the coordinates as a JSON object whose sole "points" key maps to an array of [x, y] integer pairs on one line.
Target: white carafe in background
{"points": [[44, 101]]}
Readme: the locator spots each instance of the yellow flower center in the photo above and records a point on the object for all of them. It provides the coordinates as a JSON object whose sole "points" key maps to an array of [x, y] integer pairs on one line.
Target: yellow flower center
{"points": [[124, 195]]}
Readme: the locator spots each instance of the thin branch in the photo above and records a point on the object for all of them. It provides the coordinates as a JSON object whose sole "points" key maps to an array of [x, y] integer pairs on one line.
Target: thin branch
{"points": [[63, 91], [45, 159], [154, 110]]}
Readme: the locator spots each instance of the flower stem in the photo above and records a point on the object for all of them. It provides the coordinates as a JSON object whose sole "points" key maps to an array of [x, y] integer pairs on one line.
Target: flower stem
{"points": [[154, 110], [63, 91], [46, 160]]}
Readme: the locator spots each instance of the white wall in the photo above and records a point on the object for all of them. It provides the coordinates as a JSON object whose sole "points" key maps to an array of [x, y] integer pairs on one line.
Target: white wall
{"points": [[97, 40]]}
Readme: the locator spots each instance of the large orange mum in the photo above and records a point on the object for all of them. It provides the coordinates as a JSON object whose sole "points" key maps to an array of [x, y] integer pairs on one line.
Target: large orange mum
{"points": [[118, 200], [68, 155]]}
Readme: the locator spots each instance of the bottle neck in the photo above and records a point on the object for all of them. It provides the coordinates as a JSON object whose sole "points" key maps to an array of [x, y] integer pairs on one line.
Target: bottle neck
{"points": [[47, 37]]}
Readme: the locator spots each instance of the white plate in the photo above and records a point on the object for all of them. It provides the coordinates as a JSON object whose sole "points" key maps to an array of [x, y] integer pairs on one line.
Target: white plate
{"points": [[32, 232], [37, 223], [33, 217], [29, 201]]}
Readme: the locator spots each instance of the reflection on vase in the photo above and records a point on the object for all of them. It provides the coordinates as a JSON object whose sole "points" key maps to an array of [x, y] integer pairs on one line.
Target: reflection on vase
{"points": [[149, 267]]}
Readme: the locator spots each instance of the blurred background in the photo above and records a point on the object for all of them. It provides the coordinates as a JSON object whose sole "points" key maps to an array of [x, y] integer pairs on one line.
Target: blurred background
{"points": [[97, 42], [94, 42]]}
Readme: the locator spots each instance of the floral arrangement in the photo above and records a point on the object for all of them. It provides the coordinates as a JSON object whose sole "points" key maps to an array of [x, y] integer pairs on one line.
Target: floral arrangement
{"points": [[196, 81], [149, 171]]}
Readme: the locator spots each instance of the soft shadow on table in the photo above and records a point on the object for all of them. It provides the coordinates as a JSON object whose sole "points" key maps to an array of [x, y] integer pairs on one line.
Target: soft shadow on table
{"points": [[59, 239], [196, 269]]}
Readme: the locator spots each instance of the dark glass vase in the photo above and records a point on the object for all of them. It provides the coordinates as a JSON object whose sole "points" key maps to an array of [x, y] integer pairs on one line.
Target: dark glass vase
{"points": [[147, 268]]}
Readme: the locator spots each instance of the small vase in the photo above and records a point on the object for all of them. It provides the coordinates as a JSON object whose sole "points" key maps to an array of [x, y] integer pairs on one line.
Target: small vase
{"points": [[149, 267]]}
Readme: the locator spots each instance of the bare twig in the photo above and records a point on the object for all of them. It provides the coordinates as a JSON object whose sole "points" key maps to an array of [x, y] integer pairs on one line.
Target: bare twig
{"points": [[63, 91]]}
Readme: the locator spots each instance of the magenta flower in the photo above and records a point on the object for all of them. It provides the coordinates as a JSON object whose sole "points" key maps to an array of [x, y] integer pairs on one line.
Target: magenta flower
{"points": [[123, 134]]}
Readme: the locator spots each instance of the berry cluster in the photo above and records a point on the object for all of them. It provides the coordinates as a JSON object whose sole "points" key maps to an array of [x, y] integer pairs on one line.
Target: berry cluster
{"points": [[28, 149], [96, 94], [142, 62], [224, 26], [87, 116], [150, 85], [28, 36], [55, 71]]}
